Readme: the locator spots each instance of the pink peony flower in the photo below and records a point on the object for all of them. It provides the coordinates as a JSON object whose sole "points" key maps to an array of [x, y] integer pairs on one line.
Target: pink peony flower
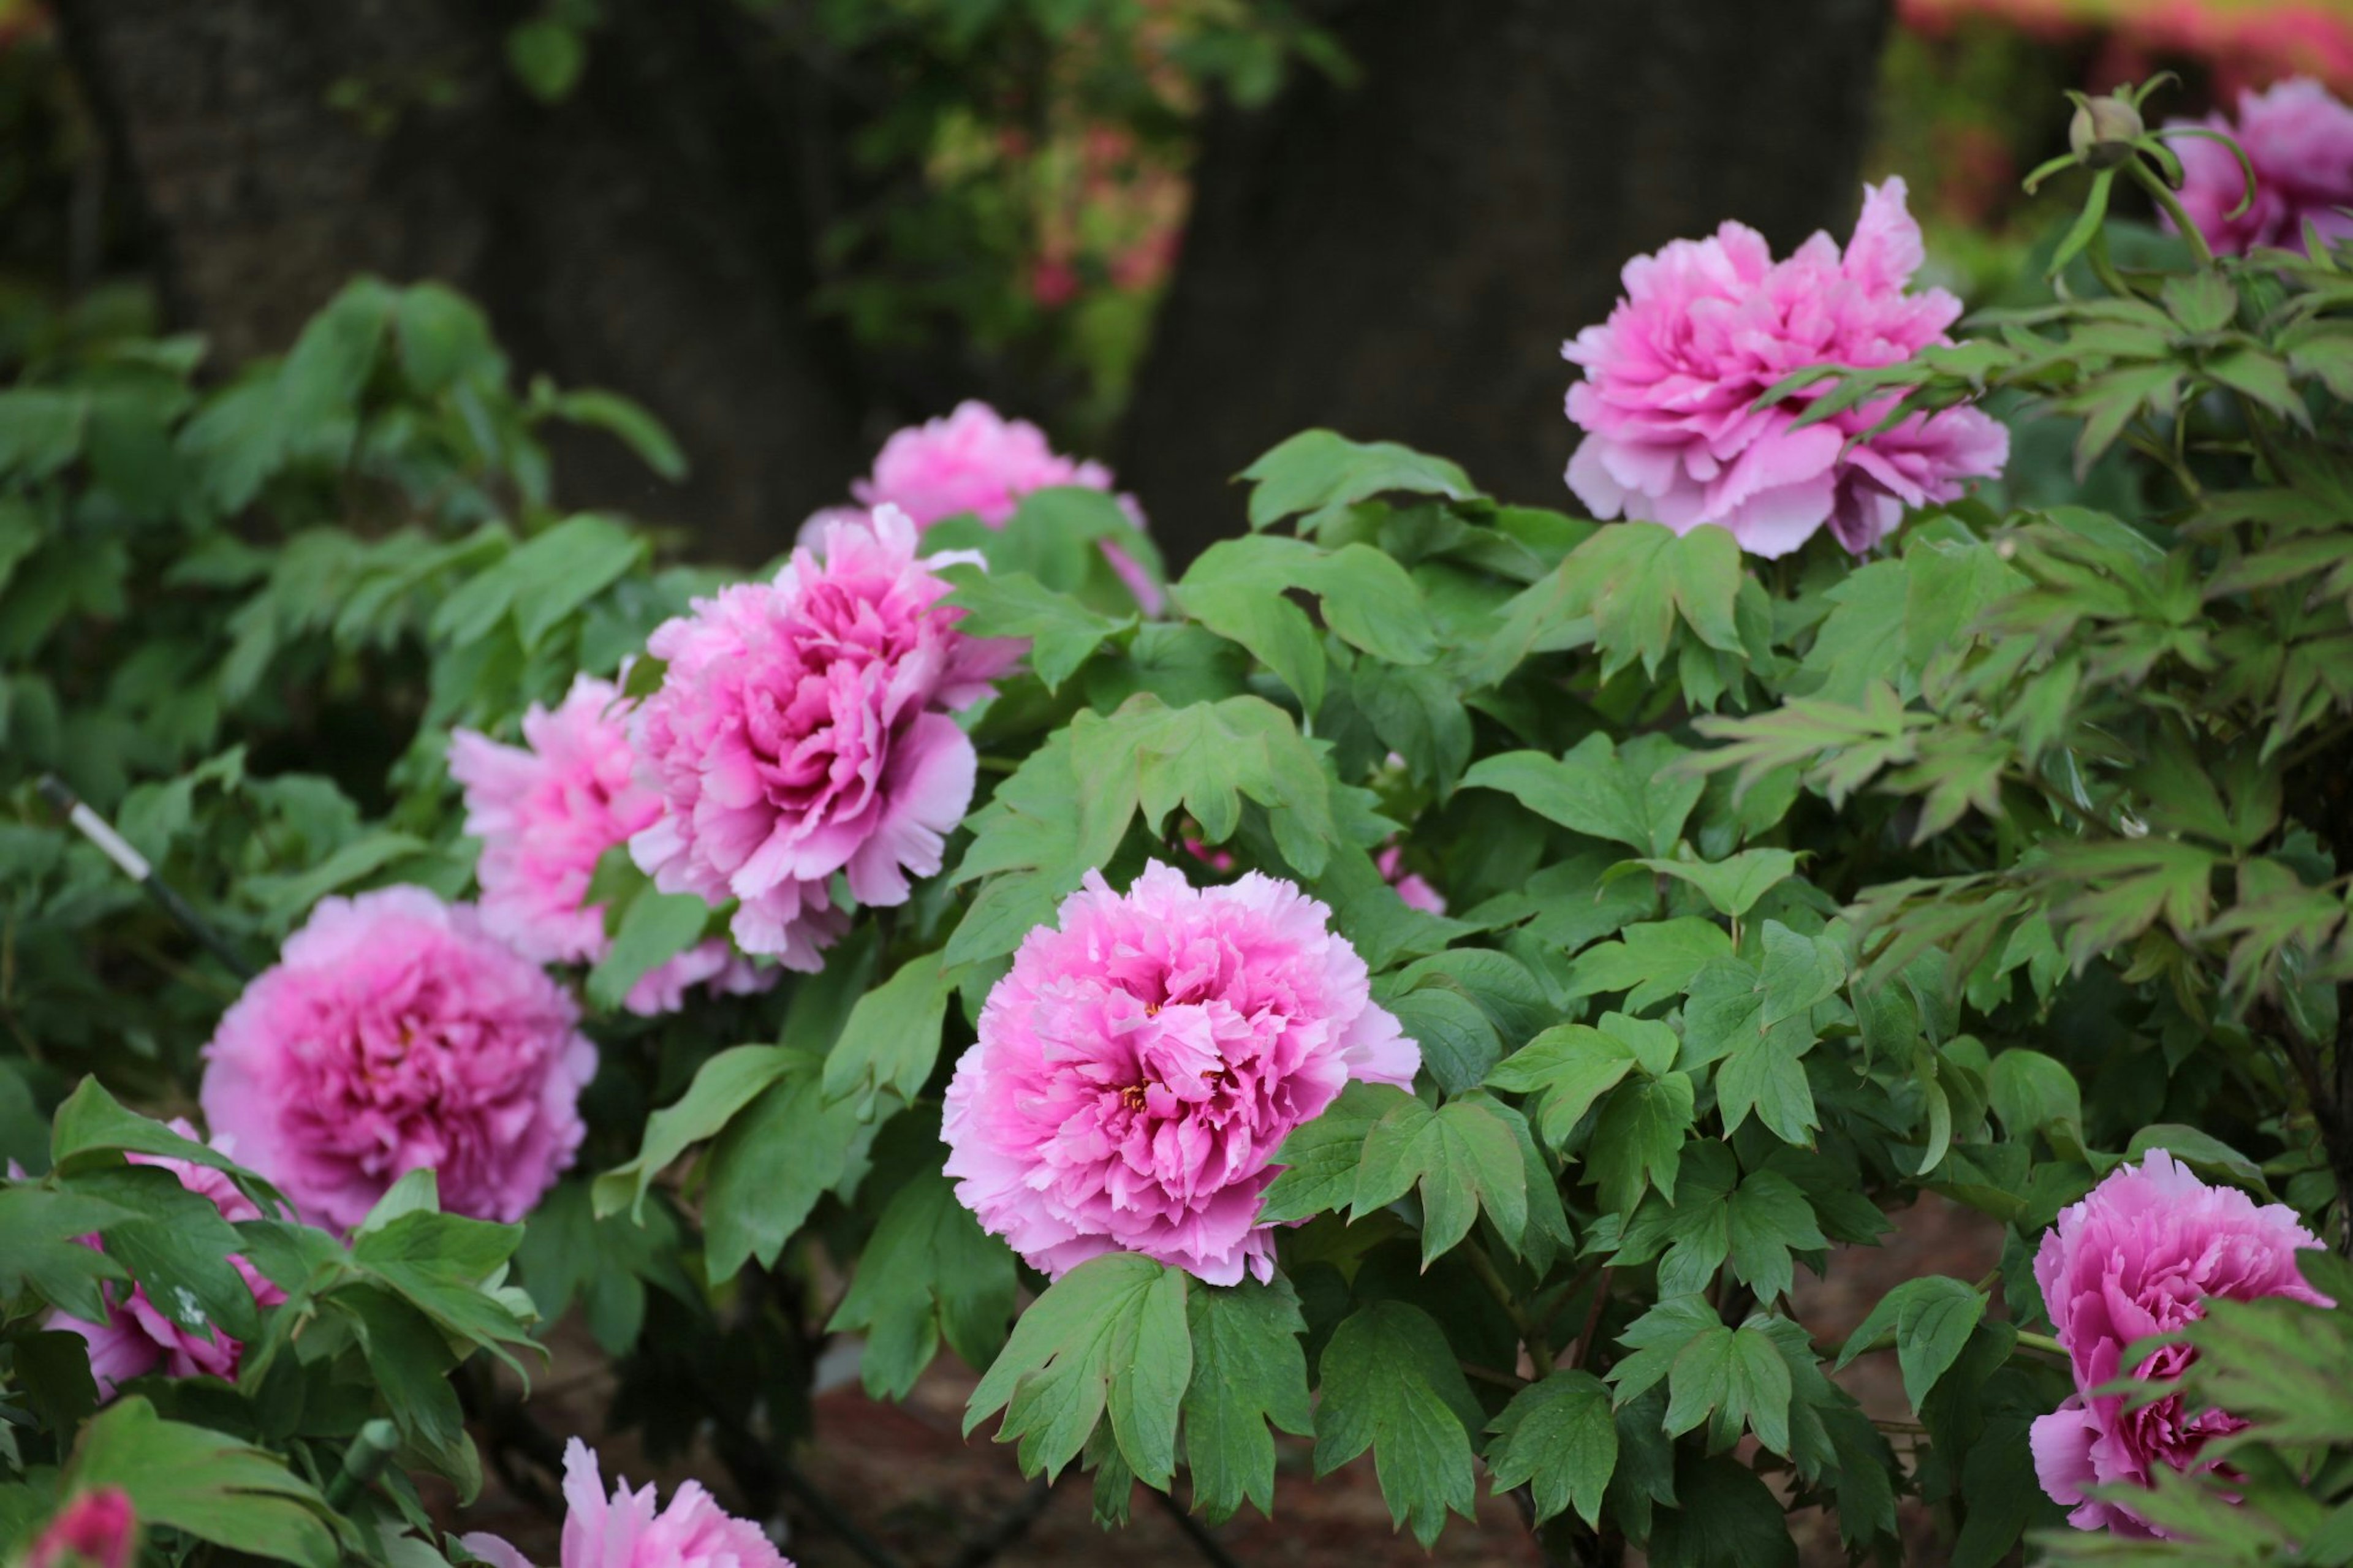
{"points": [[394, 1034], [97, 1529], [2300, 141], [1144, 1059], [627, 1532], [2140, 1255], [1706, 326], [546, 812], [136, 1338], [978, 461], [1410, 886], [799, 731]]}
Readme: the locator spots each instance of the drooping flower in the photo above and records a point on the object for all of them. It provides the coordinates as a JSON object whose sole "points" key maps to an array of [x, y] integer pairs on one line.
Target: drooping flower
{"points": [[626, 1530], [978, 461], [1671, 382], [546, 812], [136, 1338], [2300, 140], [1137, 1068], [97, 1528], [801, 730], [2142, 1255], [395, 1034]]}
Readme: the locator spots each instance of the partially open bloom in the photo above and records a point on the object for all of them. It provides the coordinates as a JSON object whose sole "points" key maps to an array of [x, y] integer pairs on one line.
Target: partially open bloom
{"points": [[1671, 379], [978, 461], [2141, 1255], [136, 1339], [1144, 1059], [97, 1528], [2300, 140], [801, 730], [395, 1034], [626, 1530], [545, 811]]}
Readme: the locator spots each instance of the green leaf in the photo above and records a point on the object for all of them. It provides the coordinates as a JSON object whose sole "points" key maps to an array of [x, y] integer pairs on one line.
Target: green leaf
{"points": [[1727, 1516], [929, 1271], [724, 1085], [1559, 1437], [547, 57], [1931, 1319], [1063, 633], [1734, 885], [1248, 1369], [177, 1246], [1390, 1384], [627, 420], [206, 1483], [92, 1118], [1606, 791], [1457, 1039], [1038, 845], [2034, 1093], [1461, 1157], [892, 1038], [655, 929], [1317, 468], [1651, 962], [1320, 1158], [1237, 588], [1206, 758], [1639, 1140], [1112, 1333], [1573, 1065], [775, 1158], [1638, 581], [1734, 1378], [1768, 1218]]}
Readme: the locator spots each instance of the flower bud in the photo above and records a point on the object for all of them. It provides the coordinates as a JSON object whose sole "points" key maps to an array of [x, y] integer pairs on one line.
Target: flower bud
{"points": [[2103, 130]]}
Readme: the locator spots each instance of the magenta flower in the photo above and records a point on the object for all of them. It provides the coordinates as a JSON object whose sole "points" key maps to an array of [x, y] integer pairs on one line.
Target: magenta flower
{"points": [[1671, 382], [2141, 1255], [97, 1529], [978, 461], [628, 1531], [395, 1034], [1140, 1064], [135, 1338], [546, 812], [2300, 140], [1411, 886], [801, 731]]}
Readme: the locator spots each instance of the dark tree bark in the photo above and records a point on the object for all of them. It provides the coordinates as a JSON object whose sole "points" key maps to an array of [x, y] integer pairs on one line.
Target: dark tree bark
{"points": [[1401, 259], [648, 233]]}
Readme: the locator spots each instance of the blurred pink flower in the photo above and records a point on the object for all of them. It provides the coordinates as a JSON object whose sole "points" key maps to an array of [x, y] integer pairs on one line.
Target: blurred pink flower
{"points": [[96, 1529], [2141, 1256], [1410, 886], [1671, 382], [801, 730], [395, 1034], [136, 1338], [2300, 141], [1144, 1059], [628, 1531], [976, 461], [546, 812]]}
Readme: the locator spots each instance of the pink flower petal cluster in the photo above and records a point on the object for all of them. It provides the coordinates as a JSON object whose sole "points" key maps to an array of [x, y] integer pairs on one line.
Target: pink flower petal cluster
{"points": [[801, 731], [546, 812], [626, 1530], [2141, 1255], [135, 1338], [1411, 886], [395, 1034], [97, 1529], [2300, 140], [976, 461], [1145, 1057], [1668, 398]]}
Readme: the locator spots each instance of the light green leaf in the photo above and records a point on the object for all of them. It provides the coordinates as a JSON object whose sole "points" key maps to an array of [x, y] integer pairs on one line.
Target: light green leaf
{"points": [[1608, 792], [655, 929], [724, 1085], [1248, 1369], [203, 1482], [1461, 1157], [928, 1271], [1559, 1437], [1390, 1384], [1932, 1317], [775, 1159], [1317, 468], [892, 1038]]}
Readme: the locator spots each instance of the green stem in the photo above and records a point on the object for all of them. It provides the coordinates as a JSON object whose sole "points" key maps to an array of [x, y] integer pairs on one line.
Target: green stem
{"points": [[363, 1462], [2164, 196], [1532, 1336], [2043, 1342], [2104, 267]]}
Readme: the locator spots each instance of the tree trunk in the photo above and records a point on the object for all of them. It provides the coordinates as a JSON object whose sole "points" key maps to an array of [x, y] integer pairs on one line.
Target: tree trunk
{"points": [[1402, 258], [647, 234]]}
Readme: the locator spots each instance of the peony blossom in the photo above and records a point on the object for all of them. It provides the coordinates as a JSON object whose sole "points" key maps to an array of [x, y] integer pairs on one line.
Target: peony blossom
{"points": [[135, 1338], [2300, 140], [546, 812], [801, 731], [978, 462], [97, 1529], [1412, 886], [2141, 1255], [1668, 399], [1137, 1068], [626, 1530], [395, 1034]]}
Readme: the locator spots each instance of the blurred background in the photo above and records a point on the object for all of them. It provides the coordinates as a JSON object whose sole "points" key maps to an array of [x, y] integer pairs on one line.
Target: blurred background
{"points": [[1171, 231]]}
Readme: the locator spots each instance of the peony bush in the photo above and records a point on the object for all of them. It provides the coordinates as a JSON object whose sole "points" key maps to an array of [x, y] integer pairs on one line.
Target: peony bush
{"points": [[1434, 981]]}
